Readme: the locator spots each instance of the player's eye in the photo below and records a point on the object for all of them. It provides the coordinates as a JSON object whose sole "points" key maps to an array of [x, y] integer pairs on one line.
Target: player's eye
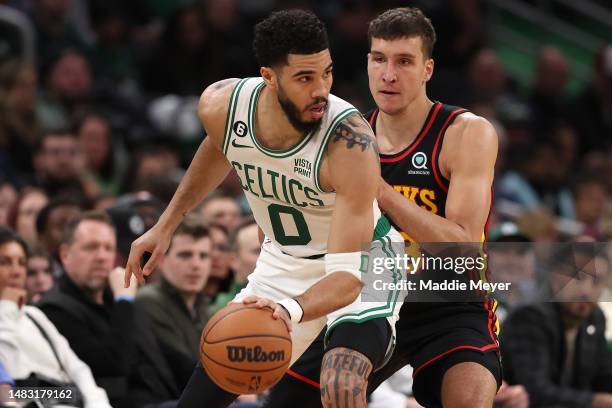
{"points": [[379, 60], [405, 61], [304, 79]]}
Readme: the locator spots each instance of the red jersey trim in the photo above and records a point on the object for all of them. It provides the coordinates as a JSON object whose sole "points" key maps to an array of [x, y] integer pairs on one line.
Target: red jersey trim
{"points": [[437, 176], [416, 142], [447, 352], [303, 379]]}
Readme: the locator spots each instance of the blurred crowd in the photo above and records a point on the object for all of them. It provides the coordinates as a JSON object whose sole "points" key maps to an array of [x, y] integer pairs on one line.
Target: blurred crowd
{"points": [[98, 123]]}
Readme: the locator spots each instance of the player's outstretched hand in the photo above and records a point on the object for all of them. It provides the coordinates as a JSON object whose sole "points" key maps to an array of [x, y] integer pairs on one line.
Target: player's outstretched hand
{"points": [[279, 312], [155, 241]]}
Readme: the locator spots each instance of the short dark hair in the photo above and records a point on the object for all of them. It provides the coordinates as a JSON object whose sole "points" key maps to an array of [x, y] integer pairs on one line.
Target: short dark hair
{"points": [[93, 215], [43, 215], [7, 236], [288, 32], [193, 227], [403, 22]]}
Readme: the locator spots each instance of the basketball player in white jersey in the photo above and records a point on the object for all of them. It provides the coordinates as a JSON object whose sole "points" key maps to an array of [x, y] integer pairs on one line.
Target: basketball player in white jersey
{"points": [[309, 167]]}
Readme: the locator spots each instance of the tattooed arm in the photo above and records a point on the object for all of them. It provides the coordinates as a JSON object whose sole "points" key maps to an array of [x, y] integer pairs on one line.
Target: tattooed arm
{"points": [[352, 171], [344, 378]]}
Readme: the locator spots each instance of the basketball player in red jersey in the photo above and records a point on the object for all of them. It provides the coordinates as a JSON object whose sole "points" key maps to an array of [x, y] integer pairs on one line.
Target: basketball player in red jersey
{"points": [[437, 163], [437, 166]]}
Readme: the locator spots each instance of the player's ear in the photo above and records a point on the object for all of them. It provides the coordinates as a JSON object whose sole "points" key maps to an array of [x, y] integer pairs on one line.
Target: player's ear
{"points": [[268, 76], [429, 67]]}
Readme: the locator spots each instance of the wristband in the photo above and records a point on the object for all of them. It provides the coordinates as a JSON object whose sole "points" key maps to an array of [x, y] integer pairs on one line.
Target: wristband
{"points": [[293, 308], [126, 297]]}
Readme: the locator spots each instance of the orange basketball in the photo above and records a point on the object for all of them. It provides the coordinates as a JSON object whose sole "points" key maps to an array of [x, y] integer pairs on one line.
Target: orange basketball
{"points": [[244, 350]]}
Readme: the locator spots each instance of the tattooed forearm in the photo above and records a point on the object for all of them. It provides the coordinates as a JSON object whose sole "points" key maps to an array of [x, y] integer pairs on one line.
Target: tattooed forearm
{"points": [[344, 378], [356, 133]]}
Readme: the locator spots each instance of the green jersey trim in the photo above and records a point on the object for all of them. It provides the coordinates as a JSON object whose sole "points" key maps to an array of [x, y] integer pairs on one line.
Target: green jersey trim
{"points": [[375, 312], [341, 116], [231, 112], [279, 154]]}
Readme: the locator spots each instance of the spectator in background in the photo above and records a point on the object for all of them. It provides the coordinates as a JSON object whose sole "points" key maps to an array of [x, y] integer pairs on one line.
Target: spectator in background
{"points": [[222, 258], [150, 164], [60, 166], [222, 210], [94, 311], [549, 100], [8, 198], [511, 259], [227, 32], [590, 195], [54, 33], [50, 224], [558, 351], [185, 42], [95, 136], [488, 80], [19, 128], [176, 304], [541, 183], [245, 244], [68, 88], [593, 109], [31, 200], [39, 278], [30, 345]]}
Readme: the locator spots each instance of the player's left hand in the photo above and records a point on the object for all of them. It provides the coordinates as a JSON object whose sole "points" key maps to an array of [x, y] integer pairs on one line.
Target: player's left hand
{"points": [[278, 312]]}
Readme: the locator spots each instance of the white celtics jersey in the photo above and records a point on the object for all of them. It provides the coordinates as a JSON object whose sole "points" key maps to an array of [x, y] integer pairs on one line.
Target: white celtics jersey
{"points": [[283, 186]]}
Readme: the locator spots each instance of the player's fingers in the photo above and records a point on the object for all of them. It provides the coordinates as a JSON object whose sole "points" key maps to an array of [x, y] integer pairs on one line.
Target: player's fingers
{"points": [[132, 267], [152, 262], [261, 303], [250, 299], [279, 312]]}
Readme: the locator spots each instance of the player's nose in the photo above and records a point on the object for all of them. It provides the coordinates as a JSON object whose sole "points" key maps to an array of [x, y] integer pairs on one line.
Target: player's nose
{"points": [[389, 74]]}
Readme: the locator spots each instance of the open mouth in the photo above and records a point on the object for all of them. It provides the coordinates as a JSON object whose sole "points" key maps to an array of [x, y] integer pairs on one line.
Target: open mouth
{"points": [[318, 110], [390, 93]]}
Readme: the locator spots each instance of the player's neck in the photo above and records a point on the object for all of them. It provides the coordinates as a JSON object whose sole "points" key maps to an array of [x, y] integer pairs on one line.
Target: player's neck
{"points": [[402, 128], [272, 127]]}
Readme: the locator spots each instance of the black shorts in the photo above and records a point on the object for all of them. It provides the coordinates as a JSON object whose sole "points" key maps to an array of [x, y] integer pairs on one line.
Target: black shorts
{"points": [[431, 337]]}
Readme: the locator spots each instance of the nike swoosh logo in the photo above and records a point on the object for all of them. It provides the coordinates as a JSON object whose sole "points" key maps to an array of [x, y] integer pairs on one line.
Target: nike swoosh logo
{"points": [[240, 145]]}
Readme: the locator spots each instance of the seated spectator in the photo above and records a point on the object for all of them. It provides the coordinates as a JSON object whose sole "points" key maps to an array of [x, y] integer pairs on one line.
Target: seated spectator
{"points": [[541, 183], [30, 202], [91, 307], [176, 304], [558, 351], [18, 122], [222, 257], [31, 348], [511, 260], [590, 195], [8, 198], [245, 243], [222, 210], [39, 279], [95, 136], [50, 223], [60, 166]]}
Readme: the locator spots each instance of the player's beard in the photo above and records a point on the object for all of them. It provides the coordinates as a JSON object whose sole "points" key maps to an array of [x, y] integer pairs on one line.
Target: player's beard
{"points": [[293, 114]]}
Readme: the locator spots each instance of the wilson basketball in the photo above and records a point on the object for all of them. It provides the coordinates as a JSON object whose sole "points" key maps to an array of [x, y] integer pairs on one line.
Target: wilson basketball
{"points": [[244, 350]]}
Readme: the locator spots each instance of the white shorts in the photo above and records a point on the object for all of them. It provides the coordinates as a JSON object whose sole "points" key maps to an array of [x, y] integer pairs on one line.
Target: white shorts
{"points": [[278, 276]]}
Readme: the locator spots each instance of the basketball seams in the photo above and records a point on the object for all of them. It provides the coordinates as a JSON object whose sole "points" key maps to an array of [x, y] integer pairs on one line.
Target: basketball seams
{"points": [[267, 370], [248, 337]]}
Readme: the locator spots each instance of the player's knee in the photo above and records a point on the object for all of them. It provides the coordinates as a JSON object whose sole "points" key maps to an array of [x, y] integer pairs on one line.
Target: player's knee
{"points": [[344, 374]]}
